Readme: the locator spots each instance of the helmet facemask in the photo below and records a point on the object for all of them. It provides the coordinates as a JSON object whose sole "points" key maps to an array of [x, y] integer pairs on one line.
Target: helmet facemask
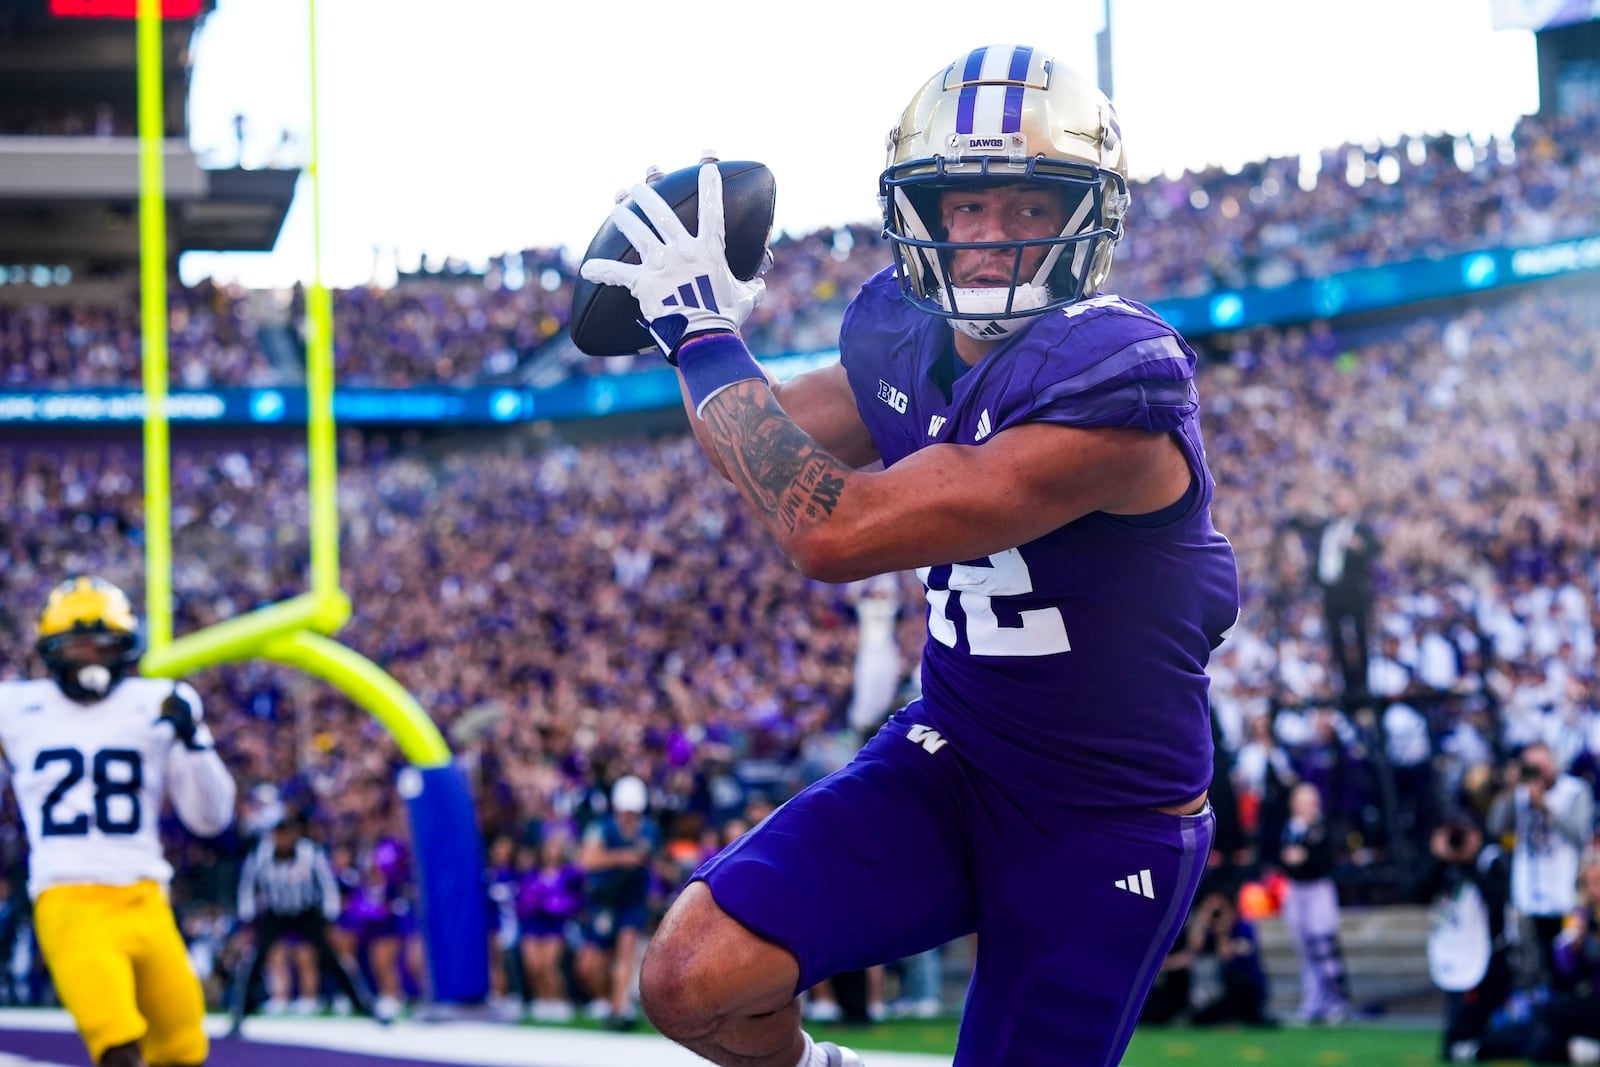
{"points": [[1074, 266], [88, 679]]}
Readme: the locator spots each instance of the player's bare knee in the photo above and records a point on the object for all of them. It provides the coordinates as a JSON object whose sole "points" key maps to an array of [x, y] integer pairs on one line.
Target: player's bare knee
{"points": [[672, 988], [677, 976], [703, 969]]}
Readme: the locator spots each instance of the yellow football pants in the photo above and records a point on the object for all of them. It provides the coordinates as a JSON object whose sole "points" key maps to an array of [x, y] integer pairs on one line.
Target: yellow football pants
{"points": [[121, 969]]}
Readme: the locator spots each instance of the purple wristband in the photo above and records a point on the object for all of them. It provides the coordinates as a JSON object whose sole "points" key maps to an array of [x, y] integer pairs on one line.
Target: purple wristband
{"points": [[713, 361]]}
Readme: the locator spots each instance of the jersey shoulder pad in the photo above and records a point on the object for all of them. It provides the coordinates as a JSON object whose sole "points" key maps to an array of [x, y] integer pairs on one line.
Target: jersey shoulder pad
{"points": [[159, 688], [878, 322], [25, 696], [877, 292], [1110, 362], [142, 697]]}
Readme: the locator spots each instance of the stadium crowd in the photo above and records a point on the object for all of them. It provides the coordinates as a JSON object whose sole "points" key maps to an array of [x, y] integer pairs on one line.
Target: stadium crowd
{"points": [[574, 616], [212, 341], [1264, 224]]}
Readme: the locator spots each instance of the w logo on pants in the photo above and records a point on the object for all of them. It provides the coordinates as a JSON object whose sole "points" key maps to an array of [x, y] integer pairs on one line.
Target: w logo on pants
{"points": [[687, 293]]}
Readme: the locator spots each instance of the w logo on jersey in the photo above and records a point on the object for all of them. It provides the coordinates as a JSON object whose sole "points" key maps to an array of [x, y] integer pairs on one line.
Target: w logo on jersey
{"points": [[984, 427], [687, 293], [930, 739]]}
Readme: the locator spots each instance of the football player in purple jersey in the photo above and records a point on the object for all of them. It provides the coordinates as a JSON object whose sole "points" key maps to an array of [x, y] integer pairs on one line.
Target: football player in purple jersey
{"points": [[1030, 445]]}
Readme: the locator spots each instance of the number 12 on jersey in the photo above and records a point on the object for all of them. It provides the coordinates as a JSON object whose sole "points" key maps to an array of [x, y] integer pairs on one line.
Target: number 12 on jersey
{"points": [[970, 597]]}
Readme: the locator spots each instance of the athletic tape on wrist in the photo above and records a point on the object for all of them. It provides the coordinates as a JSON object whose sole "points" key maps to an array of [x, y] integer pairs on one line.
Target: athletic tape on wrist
{"points": [[712, 362]]}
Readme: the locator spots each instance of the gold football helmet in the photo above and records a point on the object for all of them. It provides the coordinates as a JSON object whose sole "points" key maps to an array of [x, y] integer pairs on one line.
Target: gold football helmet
{"points": [[998, 115], [88, 637]]}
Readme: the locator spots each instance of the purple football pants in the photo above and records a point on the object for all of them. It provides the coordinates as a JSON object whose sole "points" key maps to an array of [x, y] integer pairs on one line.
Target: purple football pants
{"points": [[908, 848]]}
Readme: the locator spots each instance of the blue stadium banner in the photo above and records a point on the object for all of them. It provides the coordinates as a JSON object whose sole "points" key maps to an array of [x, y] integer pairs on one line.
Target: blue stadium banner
{"points": [[1376, 288], [581, 399], [286, 405], [1348, 293]]}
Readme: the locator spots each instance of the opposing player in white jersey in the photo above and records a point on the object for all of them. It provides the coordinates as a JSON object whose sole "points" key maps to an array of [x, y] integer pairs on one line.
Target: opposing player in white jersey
{"points": [[92, 753]]}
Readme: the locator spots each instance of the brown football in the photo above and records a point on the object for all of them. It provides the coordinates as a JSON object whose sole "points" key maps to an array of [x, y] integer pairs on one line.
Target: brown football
{"points": [[605, 318]]}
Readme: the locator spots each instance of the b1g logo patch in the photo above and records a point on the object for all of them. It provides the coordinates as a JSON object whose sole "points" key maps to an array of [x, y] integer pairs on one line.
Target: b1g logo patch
{"points": [[892, 396]]}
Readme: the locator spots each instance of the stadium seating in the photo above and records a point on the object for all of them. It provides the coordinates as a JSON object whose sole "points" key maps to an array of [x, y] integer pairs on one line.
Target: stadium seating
{"points": [[1266, 224]]}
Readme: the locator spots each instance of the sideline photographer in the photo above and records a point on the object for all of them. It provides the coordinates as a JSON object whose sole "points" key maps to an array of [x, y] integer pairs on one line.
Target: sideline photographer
{"points": [[1218, 930], [1568, 1026], [1551, 814], [1466, 889]]}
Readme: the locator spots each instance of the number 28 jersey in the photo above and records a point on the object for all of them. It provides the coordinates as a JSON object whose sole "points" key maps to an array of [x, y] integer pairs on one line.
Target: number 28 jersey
{"points": [[1072, 666], [90, 779]]}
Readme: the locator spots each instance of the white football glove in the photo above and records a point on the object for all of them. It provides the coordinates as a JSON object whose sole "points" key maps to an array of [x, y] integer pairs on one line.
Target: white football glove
{"points": [[682, 282]]}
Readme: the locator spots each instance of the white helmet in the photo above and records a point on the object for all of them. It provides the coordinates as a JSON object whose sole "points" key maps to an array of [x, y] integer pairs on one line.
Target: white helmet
{"points": [[999, 115]]}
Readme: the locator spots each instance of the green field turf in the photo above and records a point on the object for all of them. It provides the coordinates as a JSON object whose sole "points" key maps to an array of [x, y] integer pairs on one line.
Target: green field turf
{"points": [[1401, 1043], [1356, 1046]]}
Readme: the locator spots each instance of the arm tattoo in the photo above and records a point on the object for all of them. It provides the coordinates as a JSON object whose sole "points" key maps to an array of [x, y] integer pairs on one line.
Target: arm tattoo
{"points": [[776, 465]]}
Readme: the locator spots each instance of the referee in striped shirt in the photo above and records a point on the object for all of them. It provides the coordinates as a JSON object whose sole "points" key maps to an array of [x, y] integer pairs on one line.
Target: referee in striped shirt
{"points": [[288, 886]]}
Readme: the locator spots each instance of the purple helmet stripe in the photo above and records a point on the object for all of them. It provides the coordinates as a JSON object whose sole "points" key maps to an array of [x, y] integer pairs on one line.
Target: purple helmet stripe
{"points": [[1021, 60], [968, 101], [1012, 120], [974, 67]]}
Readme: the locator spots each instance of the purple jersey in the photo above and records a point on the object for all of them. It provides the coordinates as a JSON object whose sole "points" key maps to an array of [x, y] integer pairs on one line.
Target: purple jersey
{"points": [[548, 898], [1072, 666], [551, 895]]}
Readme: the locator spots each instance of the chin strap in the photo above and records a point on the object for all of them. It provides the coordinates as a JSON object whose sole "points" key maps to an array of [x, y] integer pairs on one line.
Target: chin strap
{"points": [[88, 684], [95, 678], [992, 302]]}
